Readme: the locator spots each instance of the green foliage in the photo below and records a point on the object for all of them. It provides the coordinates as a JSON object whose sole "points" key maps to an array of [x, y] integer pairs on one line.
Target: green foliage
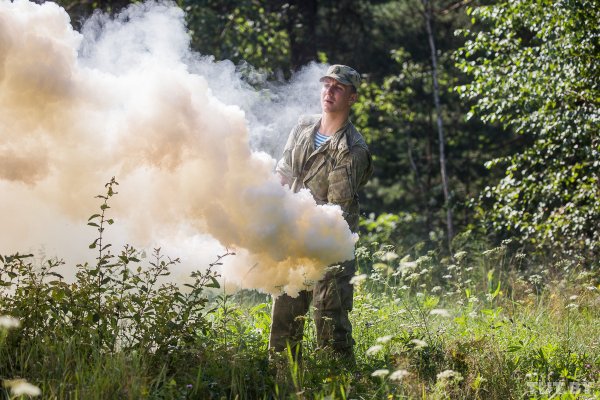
{"points": [[397, 119], [478, 325], [114, 308], [535, 69], [241, 31]]}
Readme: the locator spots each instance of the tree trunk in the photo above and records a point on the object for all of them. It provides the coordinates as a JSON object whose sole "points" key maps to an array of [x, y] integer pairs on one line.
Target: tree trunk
{"points": [[438, 109], [301, 28]]}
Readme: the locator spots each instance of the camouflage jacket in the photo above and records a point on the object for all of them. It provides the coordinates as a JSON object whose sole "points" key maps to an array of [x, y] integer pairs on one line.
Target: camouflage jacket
{"points": [[333, 173]]}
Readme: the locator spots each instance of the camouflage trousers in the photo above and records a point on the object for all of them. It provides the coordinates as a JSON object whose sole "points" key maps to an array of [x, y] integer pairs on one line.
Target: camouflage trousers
{"points": [[332, 301]]}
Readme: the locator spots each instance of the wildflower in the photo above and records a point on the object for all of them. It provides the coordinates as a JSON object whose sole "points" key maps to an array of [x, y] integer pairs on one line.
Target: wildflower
{"points": [[398, 375], [573, 298], [419, 344], [384, 339], [389, 256], [358, 278], [535, 279], [449, 375], [8, 322], [436, 289], [447, 276], [371, 351], [423, 259], [407, 265], [381, 268], [460, 255], [380, 373], [413, 276], [472, 314], [440, 311], [572, 306], [20, 387]]}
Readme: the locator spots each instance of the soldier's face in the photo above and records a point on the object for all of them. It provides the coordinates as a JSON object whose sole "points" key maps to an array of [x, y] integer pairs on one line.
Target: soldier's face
{"points": [[336, 97]]}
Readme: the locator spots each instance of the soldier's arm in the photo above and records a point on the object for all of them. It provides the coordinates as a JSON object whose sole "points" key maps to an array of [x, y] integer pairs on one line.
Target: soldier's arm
{"points": [[284, 165]]}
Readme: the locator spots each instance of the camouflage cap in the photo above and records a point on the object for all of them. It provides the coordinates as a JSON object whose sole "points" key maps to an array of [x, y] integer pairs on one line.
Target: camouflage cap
{"points": [[343, 74]]}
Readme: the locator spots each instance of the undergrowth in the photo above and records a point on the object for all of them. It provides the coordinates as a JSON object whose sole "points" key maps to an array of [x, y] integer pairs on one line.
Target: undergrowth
{"points": [[482, 324]]}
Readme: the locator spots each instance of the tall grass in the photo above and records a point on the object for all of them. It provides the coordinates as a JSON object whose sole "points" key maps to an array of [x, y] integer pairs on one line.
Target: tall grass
{"points": [[482, 324]]}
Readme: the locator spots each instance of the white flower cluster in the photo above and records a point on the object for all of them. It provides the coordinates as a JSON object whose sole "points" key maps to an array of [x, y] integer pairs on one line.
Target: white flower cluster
{"points": [[8, 322]]}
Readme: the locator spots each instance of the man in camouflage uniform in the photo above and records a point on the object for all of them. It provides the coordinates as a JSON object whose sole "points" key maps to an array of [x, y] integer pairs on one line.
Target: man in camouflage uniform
{"points": [[327, 155]]}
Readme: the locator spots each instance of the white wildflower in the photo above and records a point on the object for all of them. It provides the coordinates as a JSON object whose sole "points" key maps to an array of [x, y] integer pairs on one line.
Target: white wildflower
{"points": [[371, 351], [358, 278], [460, 255], [389, 256], [413, 276], [20, 387], [8, 322], [572, 306], [420, 294], [419, 344], [381, 268], [440, 311], [384, 339], [436, 289], [381, 373], [398, 375], [472, 314], [573, 298], [423, 259], [448, 375], [407, 265], [447, 276]]}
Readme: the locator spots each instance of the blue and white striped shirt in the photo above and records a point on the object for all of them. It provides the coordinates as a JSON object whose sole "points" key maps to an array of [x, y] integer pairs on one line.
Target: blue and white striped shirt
{"points": [[320, 139]]}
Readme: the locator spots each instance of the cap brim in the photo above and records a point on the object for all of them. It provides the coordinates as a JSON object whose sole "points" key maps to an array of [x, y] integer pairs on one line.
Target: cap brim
{"points": [[337, 78]]}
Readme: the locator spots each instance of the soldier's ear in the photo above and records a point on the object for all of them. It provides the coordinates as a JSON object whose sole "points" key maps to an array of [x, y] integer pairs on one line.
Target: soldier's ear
{"points": [[353, 98]]}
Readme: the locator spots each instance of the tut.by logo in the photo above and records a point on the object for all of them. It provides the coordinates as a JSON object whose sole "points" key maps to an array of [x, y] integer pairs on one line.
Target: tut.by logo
{"points": [[561, 387]]}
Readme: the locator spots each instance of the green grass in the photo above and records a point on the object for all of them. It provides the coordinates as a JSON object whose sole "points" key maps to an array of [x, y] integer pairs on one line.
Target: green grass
{"points": [[483, 324], [469, 335]]}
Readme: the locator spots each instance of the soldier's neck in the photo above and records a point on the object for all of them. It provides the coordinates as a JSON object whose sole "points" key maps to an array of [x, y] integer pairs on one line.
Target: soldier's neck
{"points": [[332, 122]]}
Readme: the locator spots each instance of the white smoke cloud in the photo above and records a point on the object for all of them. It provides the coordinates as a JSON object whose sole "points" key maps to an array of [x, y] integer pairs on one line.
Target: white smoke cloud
{"points": [[180, 132]]}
